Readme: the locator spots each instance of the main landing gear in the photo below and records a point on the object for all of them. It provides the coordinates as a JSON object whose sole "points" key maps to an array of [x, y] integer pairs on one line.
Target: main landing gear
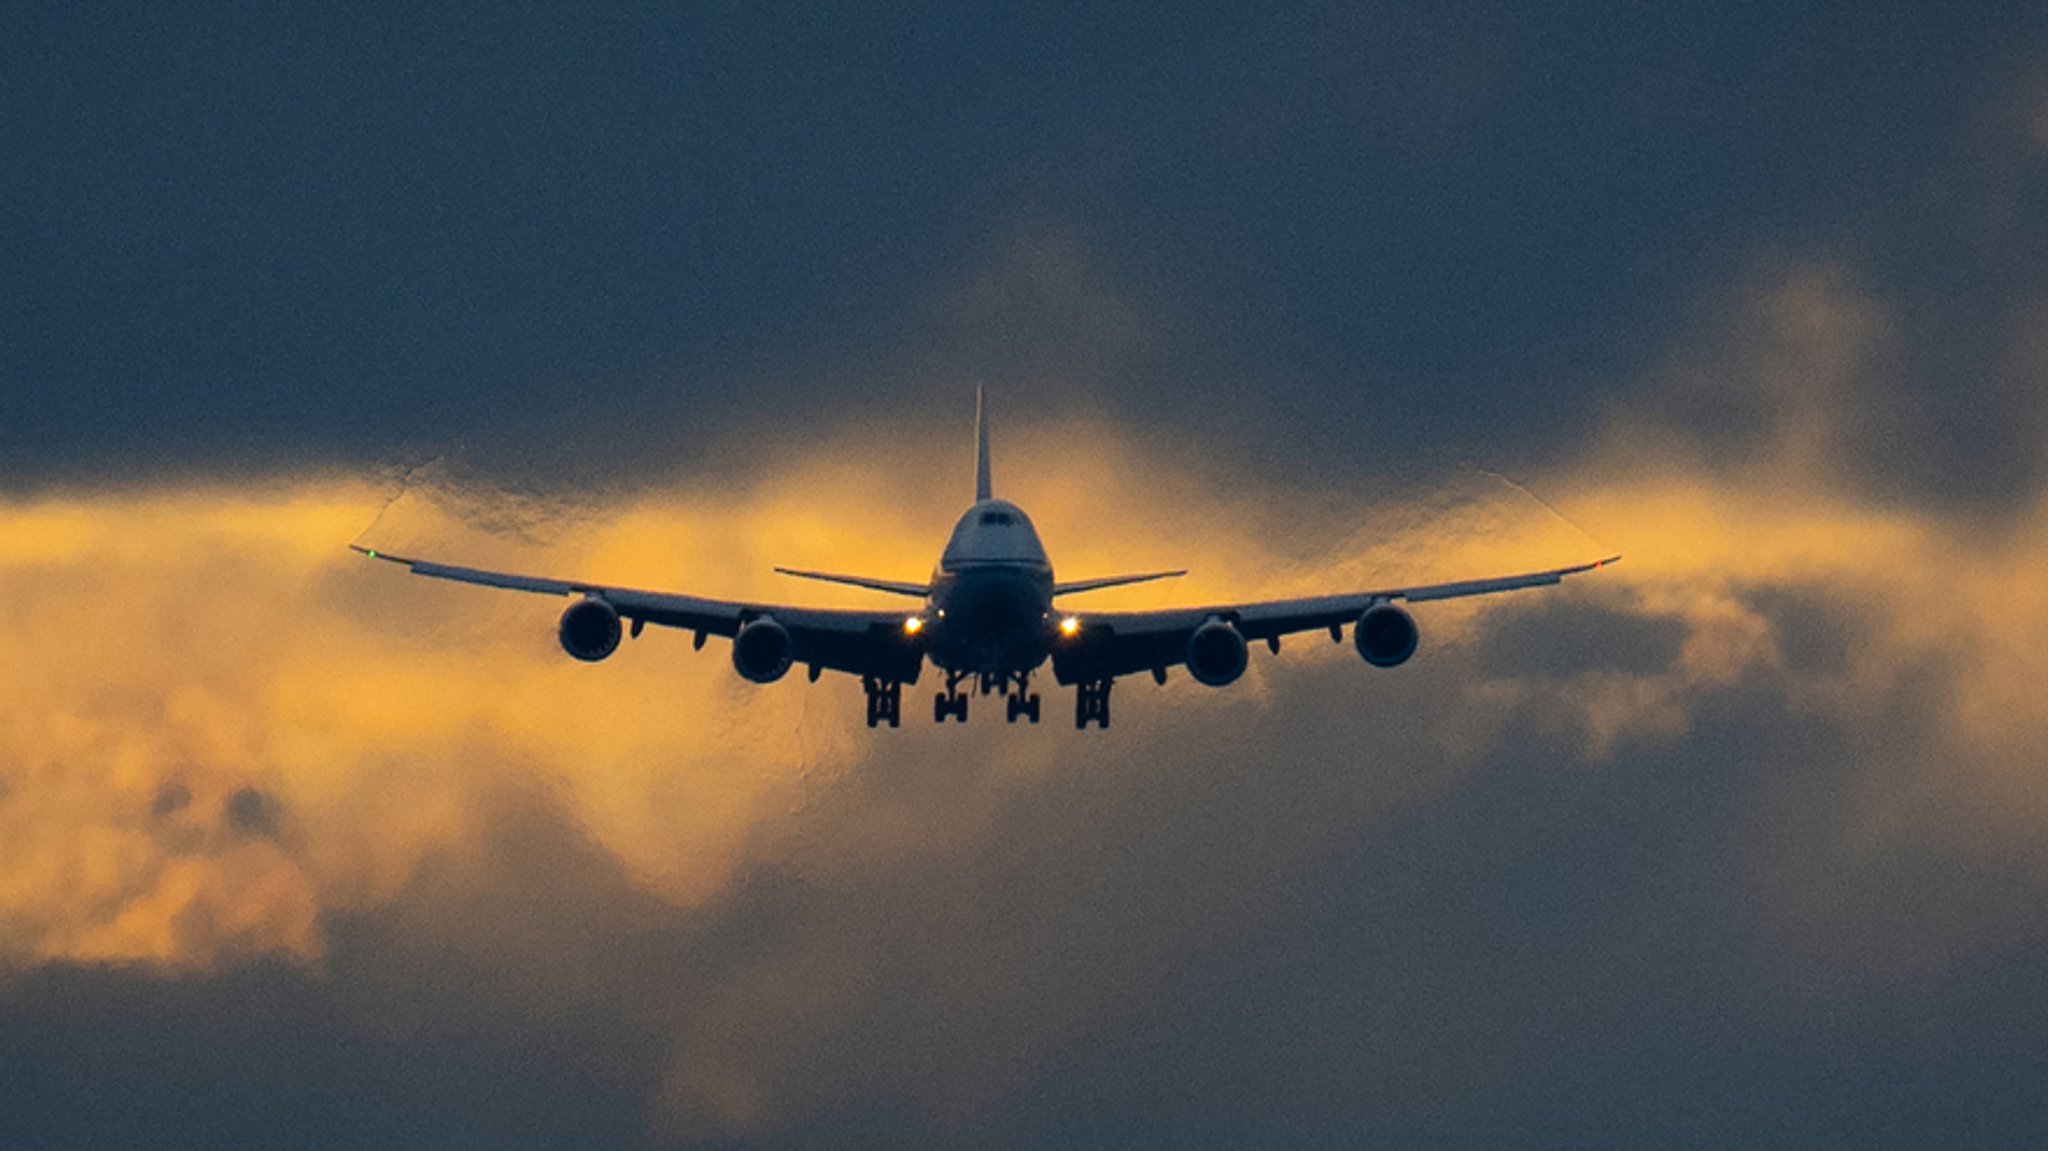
{"points": [[1018, 698], [952, 701], [1020, 702], [1091, 702], [885, 701]]}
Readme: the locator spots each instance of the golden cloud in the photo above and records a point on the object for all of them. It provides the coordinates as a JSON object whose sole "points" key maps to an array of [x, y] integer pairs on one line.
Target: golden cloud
{"points": [[223, 730], [171, 651]]}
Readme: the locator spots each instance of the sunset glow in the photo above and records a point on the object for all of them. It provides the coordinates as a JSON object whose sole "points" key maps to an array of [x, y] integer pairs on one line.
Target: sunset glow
{"points": [[1741, 842]]}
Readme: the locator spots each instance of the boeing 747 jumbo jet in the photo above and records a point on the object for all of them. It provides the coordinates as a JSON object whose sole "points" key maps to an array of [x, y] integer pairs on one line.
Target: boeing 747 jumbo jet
{"points": [[991, 615]]}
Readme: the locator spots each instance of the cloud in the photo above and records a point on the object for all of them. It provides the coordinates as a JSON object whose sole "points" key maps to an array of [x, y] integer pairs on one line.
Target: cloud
{"points": [[231, 747], [208, 681], [1739, 842], [233, 744]]}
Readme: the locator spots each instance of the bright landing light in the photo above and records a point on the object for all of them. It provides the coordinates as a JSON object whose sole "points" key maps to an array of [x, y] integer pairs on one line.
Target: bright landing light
{"points": [[1070, 626], [913, 625]]}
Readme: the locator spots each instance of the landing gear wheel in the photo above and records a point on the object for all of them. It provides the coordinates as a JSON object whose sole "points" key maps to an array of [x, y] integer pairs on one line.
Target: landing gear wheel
{"points": [[949, 704], [885, 701], [1091, 702], [1024, 705]]}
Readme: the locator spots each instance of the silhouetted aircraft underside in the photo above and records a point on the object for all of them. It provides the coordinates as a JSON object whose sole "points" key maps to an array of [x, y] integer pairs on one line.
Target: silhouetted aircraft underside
{"points": [[989, 619]]}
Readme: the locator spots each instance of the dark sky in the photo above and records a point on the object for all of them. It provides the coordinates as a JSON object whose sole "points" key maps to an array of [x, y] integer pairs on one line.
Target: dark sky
{"points": [[258, 237], [1738, 845]]}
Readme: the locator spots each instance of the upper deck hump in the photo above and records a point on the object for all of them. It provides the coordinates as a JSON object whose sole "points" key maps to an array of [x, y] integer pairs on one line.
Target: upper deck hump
{"points": [[993, 531]]}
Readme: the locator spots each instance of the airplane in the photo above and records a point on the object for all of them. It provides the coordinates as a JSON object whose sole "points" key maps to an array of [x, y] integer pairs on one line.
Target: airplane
{"points": [[991, 615]]}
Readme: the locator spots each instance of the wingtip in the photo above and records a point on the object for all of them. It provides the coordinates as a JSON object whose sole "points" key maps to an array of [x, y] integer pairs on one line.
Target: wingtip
{"points": [[374, 554]]}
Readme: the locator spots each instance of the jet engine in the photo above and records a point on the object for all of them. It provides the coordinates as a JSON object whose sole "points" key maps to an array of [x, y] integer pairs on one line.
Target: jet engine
{"points": [[1216, 654], [1385, 635], [589, 629], [761, 651]]}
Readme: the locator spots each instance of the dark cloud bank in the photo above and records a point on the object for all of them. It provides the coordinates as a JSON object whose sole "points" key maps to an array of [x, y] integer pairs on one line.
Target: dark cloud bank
{"points": [[597, 243], [1212, 943]]}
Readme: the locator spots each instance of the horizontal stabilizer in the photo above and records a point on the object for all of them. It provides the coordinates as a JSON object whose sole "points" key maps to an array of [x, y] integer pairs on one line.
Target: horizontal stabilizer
{"points": [[1111, 581], [893, 587]]}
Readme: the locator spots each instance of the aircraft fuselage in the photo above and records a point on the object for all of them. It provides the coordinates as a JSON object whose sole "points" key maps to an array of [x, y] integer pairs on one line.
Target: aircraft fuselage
{"points": [[990, 609]]}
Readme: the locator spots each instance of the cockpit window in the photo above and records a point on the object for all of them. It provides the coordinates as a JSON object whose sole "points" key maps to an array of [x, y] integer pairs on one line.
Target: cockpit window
{"points": [[1001, 519]]}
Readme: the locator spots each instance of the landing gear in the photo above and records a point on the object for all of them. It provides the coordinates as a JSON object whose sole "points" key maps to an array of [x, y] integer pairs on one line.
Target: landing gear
{"points": [[1091, 702], [1021, 700], [951, 701], [885, 701]]}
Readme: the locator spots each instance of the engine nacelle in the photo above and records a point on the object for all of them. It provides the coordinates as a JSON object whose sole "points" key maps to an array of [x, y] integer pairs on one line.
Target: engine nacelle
{"points": [[589, 629], [762, 650], [1216, 654], [1385, 635]]}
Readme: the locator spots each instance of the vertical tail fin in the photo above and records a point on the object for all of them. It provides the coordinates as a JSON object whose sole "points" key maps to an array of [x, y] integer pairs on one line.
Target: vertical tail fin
{"points": [[983, 488]]}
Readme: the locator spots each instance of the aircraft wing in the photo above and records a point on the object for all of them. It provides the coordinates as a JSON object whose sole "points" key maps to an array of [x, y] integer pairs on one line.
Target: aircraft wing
{"points": [[893, 587], [860, 643], [1110, 644], [1078, 586]]}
